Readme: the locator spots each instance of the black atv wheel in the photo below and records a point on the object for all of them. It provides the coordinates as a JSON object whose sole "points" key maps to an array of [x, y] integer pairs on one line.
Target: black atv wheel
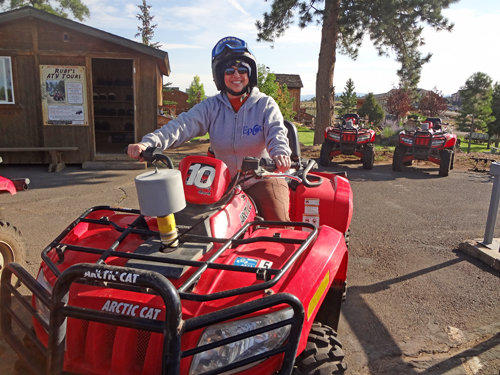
{"points": [[12, 245], [323, 353], [324, 155], [347, 237], [445, 164], [368, 156], [407, 163], [397, 159]]}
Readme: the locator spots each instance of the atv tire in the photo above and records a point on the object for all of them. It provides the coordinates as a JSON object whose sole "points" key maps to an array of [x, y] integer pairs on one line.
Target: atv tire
{"points": [[445, 164], [324, 155], [397, 159], [368, 156], [323, 353], [12, 246]]}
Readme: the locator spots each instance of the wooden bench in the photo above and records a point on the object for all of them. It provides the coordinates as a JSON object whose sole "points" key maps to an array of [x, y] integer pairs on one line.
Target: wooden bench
{"points": [[57, 164]]}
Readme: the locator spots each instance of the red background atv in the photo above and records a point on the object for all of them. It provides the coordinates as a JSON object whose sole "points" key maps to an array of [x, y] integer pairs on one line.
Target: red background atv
{"points": [[350, 138], [238, 294], [431, 142]]}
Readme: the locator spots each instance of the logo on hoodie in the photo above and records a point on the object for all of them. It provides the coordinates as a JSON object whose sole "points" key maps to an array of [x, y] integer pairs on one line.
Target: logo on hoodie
{"points": [[252, 130]]}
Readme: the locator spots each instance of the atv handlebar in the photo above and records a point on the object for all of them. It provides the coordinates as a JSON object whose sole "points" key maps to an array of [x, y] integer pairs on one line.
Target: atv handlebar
{"points": [[261, 168], [265, 167]]}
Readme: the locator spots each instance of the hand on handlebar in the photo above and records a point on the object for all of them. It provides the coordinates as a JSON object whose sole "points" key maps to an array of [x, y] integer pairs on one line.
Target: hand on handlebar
{"points": [[135, 150], [283, 163]]}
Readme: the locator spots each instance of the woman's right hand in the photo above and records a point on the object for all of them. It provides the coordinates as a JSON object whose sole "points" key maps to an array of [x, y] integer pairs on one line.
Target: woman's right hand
{"points": [[135, 150]]}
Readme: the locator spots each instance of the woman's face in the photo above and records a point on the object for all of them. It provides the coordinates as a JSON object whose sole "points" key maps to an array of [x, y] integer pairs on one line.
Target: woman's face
{"points": [[236, 82]]}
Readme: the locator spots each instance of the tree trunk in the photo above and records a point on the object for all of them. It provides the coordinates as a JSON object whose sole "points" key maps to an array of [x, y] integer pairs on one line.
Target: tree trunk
{"points": [[472, 128], [325, 92]]}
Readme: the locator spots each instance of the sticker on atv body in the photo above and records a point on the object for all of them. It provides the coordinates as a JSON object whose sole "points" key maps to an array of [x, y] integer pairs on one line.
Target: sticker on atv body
{"points": [[250, 262]]}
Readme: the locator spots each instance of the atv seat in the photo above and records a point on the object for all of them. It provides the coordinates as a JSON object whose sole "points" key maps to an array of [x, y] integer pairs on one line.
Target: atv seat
{"points": [[293, 141]]}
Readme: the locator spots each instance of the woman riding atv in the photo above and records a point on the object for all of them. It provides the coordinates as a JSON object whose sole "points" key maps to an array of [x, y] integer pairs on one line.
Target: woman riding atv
{"points": [[240, 120]]}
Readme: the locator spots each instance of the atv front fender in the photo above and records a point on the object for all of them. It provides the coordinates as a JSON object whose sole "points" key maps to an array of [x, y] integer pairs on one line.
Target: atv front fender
{"points": [[7, 185], [324, 267]]}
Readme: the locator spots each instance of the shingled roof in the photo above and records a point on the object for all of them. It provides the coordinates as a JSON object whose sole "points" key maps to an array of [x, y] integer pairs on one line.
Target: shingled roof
{"points": [[292, 81]]}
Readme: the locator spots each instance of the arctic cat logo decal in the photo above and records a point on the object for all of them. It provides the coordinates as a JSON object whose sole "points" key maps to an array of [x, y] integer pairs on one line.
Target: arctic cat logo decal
{"points": [[131, 309], [124, 277], [246, 211]]}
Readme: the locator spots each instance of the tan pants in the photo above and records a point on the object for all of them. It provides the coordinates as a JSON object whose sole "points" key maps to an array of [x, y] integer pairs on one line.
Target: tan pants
{"points": [[271, 196]]}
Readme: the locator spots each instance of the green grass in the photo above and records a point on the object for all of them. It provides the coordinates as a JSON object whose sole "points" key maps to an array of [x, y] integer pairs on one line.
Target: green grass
{"points": [[306, 135], [474, 147]]}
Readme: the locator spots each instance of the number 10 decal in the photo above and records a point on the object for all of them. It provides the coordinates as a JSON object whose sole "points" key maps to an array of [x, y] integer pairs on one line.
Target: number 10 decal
{"points": [[201, 177]]}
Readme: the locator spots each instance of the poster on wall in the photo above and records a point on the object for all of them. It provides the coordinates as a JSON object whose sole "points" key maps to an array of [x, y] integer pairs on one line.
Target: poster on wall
{"points": [[64, 94]]}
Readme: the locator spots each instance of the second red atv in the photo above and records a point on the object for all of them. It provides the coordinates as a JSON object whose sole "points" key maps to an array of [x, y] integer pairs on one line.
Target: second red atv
{"points": [[192, 283], [350, 138], [432, 142]]}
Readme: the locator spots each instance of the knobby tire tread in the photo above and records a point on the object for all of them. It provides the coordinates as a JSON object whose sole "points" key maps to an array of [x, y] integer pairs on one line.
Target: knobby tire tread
{"points": [[323, 354]]}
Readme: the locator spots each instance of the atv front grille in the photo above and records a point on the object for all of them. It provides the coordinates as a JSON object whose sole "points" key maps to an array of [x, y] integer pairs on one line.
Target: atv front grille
{"points": [[352, 137], [422, 141]]}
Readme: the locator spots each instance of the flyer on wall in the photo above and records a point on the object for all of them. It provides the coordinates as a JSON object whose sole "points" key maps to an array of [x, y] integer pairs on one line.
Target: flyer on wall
{"points": [[64, 94]]}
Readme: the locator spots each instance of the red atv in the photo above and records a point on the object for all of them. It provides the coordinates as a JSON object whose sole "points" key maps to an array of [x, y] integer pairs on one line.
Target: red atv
{"points": [[350, 138], [12, 246], [431, 142], [194, 282]]}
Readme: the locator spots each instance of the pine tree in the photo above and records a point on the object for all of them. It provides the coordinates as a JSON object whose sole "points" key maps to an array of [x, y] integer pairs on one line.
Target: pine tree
{"points": [[494, 125], [476, 97], [76, 7], [394, 26], [146, 32], [348, 98], [196, 92], [371, 109]]}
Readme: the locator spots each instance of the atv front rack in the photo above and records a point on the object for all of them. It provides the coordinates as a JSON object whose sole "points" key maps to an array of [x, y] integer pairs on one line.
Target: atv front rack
{"points": [[139, 226], [147, 281], [172, 328]]}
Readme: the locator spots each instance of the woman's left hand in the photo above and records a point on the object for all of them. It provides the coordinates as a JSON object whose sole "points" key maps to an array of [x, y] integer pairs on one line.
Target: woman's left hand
{"points": [[283, 163]]}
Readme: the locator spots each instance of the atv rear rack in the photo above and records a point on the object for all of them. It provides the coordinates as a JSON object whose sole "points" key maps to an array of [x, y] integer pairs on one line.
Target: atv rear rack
{"points": [[147, 281]]}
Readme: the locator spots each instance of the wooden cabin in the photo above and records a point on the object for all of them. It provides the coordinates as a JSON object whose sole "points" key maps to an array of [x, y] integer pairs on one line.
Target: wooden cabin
{"points": [[72, 88], [294, 84]]}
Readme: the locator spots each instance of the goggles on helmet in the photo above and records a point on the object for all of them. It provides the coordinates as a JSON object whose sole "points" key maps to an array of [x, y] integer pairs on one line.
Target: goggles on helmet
{"points": [[234, 44]]}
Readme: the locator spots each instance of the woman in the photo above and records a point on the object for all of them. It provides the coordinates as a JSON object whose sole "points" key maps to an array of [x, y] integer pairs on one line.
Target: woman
{"points": [[241, 121]]}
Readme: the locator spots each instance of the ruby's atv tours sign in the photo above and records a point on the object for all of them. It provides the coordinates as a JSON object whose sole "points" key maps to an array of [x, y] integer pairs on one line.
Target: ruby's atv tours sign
{"points": [[64, 94]]}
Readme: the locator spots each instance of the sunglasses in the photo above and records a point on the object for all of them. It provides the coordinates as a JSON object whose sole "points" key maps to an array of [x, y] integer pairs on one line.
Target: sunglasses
{"points": [[231, 71]]}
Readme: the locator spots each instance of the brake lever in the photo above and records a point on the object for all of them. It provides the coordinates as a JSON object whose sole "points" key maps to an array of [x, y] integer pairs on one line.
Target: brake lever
{"points": [[266, 174]]}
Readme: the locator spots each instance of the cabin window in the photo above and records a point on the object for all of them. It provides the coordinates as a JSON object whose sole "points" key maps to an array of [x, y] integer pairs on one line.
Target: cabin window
{"points": [[6, 88]]}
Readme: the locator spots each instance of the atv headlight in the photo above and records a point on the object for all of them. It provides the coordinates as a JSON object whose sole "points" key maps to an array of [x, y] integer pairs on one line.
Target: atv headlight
{"points": [[438, 142], [407, 140], [334, 136], [364, 137], [239, 350]]}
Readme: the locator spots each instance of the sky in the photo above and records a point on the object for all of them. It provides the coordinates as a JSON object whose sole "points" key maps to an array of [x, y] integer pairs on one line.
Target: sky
{"points": [[188, 30]]}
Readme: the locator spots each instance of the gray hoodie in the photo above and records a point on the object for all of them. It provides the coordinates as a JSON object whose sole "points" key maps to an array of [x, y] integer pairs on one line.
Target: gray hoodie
{"points": [[257, 129]]}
